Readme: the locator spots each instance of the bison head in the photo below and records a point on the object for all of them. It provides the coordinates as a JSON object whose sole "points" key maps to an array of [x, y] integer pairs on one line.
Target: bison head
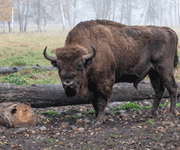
{"points": [[72, 63]]}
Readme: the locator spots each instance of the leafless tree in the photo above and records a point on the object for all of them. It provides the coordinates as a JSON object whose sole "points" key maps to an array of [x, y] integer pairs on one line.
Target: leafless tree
{"points": [[22, 13], [102, 8]]}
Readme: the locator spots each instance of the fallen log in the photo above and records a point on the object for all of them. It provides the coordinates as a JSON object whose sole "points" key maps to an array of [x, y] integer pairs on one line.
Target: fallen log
{"points": [[40, 96], [15, 114], [8, 70]]}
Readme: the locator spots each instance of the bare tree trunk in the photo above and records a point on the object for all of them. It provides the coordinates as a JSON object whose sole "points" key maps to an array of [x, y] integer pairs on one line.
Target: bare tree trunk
{"points": [[145, 12], [9, 25], [166, 22], [26, 16], [129, 12], [122, 12], [39, 16], [45, 11], [16, 115], [74, 18], [12, 19], [170, 12], [40, 96], [3, 27], [178, 13], [175, 10], [22, 15], [114, 3], [62, 13], [8, 70], [161, 12], [68, 15], [19, 17]]}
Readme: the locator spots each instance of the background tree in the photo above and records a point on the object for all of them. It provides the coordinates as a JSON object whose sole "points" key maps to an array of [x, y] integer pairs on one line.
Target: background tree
{"points": [[6, 13], [68, 13], [22, 13], [102, 8]]}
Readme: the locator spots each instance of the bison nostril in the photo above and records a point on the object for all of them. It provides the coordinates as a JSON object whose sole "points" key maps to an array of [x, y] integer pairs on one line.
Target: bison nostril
{"points": [[64, 86], [68, 84]]}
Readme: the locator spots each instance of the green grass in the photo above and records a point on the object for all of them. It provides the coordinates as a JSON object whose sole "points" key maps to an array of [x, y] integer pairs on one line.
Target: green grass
{"points": [[75, 116], [178, 105], [49, 140], [128, 106], [53, 113], [90, 112], [135, 106], [31, 76], [17, 49], [26, 49], [150, 122], [47, 119]]}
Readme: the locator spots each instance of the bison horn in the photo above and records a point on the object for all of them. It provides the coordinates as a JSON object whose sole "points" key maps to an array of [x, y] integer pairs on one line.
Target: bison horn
{"points": [[91, 55], [49, 57]]}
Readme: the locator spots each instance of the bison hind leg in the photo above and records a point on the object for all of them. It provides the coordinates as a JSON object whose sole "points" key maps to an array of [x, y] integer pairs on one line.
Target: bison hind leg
{"points": [[158, 87]]}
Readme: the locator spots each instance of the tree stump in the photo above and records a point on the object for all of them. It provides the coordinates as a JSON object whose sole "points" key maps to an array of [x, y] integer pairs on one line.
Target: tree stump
{"points": [[15, 114]]}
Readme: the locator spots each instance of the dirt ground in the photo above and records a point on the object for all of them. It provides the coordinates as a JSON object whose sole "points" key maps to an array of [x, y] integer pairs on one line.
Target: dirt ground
{"points": [[71, 127]]}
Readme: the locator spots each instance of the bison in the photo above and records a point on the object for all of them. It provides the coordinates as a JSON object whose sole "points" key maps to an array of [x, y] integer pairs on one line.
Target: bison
{"points": [[99, 53]]}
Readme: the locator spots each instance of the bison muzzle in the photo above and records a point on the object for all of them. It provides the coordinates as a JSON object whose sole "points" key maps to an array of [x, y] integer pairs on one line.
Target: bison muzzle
{"points": [[99, 53]]}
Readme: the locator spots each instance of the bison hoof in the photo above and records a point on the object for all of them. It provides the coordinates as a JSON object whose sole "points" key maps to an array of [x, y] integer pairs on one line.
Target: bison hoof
{"points": [[152, 114], [99, 120], [173, 113]]}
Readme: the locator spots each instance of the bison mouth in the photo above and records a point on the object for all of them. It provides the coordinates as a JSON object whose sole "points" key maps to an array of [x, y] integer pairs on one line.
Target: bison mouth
{"points": [[70, 93]]}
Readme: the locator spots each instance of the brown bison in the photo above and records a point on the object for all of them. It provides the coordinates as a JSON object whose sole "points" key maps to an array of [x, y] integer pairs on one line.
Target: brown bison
{"points": [[99, 53]]}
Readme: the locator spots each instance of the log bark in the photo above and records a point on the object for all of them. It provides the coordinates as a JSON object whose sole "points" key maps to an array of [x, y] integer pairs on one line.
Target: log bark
{"points": [[15, 114], [40, 96], [8, 70]]}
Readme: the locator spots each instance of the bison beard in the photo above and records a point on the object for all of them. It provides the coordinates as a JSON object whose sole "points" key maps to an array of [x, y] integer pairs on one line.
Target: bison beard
{"points": [[120, 54], [70, 93]]}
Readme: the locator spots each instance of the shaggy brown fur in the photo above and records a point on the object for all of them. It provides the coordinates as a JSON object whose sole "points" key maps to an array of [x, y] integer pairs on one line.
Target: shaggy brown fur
{"points": [[123, 54]]}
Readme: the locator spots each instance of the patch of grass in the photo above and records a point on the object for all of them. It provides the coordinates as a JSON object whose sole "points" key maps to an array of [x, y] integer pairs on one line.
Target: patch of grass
{"points": [[155, 148], [113, 136], [150, 122], [18, 63], [165, 104], [49, 140], [135, 106], [13, 78], [31, 76], [146, 107], [47, 119], [178, 105], [1, 145], [75, 110], [90, 112], [85, 147], [27, 49], [75, 116], [53, 113], [129, 106]]}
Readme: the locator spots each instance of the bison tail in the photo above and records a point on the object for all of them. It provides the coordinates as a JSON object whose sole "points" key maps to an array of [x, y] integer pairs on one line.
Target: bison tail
{"points": [[176, 60], [176, 57]]}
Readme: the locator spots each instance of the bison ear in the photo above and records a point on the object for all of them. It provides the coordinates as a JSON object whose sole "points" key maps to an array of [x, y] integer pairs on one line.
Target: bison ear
{"points": [[54, 63], [88, 62]]}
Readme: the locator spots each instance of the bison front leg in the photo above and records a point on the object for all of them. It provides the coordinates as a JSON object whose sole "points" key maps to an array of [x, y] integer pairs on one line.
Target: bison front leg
{"points": [[99, 104]]}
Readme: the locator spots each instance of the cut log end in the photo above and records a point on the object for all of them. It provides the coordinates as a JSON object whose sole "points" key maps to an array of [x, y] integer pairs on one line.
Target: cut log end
{"points": [[17, 115]]}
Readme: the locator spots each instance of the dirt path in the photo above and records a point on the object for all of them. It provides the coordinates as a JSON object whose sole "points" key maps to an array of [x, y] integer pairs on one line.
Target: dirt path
{"points": [[71, 128]]}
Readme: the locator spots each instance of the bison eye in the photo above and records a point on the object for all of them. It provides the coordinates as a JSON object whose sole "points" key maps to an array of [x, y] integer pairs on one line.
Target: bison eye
{"points": [[59, 66], [80, 66]]}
